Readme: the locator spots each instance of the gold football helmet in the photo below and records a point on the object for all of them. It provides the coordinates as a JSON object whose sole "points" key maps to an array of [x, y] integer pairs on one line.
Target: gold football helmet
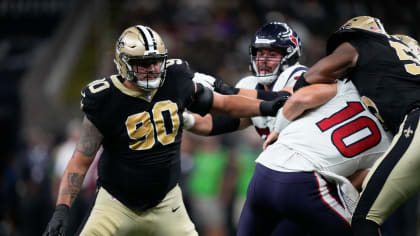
{"points": [[367, 23], [411, 43], [140, 47]]}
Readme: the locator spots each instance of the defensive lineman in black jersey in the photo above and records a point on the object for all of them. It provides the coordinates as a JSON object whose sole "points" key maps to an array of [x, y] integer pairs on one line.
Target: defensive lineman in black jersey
{"points": [[136, 116], [386, 72]]}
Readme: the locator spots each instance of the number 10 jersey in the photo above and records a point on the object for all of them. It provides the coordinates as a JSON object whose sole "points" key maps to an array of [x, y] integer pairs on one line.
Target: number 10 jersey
{"points": [[341, 136]]}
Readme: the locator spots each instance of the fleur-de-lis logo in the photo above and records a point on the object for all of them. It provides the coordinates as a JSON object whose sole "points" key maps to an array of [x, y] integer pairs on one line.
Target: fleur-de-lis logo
{"points": [[408, 132]]}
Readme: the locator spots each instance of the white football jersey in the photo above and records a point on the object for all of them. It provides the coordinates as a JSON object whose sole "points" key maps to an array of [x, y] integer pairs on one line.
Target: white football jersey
{"points": [[264, 124], [340, 136]]}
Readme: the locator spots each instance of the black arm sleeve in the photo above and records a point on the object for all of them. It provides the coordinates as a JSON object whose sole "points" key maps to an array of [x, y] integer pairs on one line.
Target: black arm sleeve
{"points": [[224, 124], [270, 95], [202, 101], [222, 87]]}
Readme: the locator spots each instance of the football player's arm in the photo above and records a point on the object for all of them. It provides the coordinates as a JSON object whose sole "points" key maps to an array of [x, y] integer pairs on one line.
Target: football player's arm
{"points": [[308, 98], [71, 182], [83, 156], [332, 67], [204, 101], [215, 124], [224, 88], [304, 99]]}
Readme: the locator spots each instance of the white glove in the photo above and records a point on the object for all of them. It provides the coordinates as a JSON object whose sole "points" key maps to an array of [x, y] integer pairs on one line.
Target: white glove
{"points": [[205, 80], [189, 120]]}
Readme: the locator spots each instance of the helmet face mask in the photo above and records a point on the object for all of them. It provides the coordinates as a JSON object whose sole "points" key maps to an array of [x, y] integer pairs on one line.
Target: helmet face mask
{"points": [[140, 57], [281, 38]]}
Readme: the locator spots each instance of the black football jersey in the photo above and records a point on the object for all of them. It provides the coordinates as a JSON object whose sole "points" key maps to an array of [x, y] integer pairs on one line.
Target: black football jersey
{"points": [[142, 134], [387, 73]]}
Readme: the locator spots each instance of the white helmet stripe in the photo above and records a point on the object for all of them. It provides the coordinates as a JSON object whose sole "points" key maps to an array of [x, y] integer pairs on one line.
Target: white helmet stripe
{"points": [[149, 39]]}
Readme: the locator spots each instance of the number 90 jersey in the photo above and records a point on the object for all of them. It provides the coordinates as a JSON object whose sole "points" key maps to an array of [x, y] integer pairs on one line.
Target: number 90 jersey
{"points": [[340, 136], [142, 134]]}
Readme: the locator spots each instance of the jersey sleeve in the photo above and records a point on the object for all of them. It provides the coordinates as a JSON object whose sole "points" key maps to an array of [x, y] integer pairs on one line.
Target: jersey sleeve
{"points": [[358, 39], [93, 98], [364, 49]]}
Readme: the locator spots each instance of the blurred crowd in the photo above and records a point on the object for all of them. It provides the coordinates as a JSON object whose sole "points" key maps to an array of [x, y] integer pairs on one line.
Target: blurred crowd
{"points": [[50, 49]]}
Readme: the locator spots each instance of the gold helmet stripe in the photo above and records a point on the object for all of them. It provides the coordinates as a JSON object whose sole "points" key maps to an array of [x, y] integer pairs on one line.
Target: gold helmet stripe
{"points": [[149, 40]]}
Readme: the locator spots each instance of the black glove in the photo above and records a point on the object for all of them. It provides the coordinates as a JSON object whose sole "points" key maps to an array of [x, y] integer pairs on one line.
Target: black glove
{"points": [[270, 108], [222, 87], [59, 221]]}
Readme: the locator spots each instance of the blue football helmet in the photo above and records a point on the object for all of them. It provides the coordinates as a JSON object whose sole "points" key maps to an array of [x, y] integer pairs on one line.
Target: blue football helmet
{"points": [[275, 35]]}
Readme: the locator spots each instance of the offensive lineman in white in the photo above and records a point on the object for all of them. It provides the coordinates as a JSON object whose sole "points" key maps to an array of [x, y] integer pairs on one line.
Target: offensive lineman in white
{"points": [[330, 140], [274, 53]]}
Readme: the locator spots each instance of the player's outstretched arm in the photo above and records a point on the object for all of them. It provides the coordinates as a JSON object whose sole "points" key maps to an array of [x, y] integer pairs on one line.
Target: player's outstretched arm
{"points": [[71, 182], [240, 106], [209, 124]]}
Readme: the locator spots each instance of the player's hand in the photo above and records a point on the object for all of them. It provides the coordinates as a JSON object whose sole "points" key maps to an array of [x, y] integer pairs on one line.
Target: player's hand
{"points": [[270, 108], [357, 178], [205, 80], [189, 120], [59, 221], [270, 139]]}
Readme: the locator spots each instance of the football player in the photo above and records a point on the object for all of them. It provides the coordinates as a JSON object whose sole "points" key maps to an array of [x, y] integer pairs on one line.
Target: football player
{"points": [[136, 116], [301, 177], [274, 62], [386, 72], [302, 142], [274, 54]]}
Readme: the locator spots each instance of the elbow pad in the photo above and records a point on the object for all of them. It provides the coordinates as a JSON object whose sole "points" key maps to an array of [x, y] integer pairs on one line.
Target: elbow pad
{"points": [[300, 83], [224, 124], [202, 100]]}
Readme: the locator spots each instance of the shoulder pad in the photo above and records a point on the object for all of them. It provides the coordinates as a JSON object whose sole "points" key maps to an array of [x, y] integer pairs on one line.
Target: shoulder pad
{"points": [[248, 82], [94, 94], [178, 67]]}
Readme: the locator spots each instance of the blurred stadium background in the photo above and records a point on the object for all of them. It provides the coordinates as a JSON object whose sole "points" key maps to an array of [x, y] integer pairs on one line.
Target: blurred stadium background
{"points": [[50, 49]]}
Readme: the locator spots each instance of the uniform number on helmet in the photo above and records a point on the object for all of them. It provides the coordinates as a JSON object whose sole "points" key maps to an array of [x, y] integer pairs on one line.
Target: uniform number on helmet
{"points": [[403, 53], [164, 121], [353, 137]]}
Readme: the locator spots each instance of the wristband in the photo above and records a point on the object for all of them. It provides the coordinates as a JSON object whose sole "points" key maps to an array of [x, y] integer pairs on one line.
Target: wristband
{"points": [[300, 83], [281, 121], [189, 120]]}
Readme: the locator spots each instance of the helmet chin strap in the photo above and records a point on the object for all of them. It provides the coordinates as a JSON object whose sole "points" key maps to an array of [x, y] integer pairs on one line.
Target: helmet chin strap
{"points": [[268, 79]]}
